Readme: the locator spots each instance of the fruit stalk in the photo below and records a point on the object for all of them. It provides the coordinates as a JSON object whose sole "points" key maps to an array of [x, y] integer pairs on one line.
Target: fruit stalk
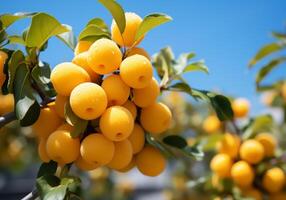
{"points": [[7, 118]]}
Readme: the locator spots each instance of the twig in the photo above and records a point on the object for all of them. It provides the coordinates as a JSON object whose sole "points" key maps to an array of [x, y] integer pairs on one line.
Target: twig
{"points": [[31, 196], [7, 118], [237, 130]]}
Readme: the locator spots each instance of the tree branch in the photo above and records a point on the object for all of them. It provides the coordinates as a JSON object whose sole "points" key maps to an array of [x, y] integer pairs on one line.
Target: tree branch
{"points": [[31, 196], [7, 118]]}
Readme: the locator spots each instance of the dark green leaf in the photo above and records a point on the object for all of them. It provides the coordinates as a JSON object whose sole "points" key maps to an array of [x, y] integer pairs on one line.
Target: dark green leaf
{"points": [[98, 22], [78, 123], [175, 141], [8, 19], [16, 39], [16, 59], [196, 66], [68, 37], [41, 74], [116, 11], [47, 169], [182, 87], [222, 106], [92, 33], [265, 51], [265, 70], [151, 21], [27, 108], [43, 27]]}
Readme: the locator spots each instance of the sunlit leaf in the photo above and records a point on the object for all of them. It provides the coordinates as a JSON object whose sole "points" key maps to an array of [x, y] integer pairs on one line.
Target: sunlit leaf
{"points": [[265, 51], [16, 39], [196, 66], [151, 21], [68, 37], [42, 28], [116, 11], [265, 70], [8, 19]]}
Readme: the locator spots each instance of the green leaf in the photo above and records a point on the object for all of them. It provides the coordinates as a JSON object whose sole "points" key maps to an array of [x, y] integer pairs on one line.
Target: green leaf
{"points": [[258, 124], [116, 11], [57, 193], [182, 87], [175, 141], [78, 123], [27, 108], [150, 22], [16, 59], [265, 70], [9, 19], [196, 66], [71, 182], [47, 169], [16, 39], [43, 27], [41, 74], [68, 37], [183, 61], [98, 22], [222, 106], [279, 36], [265, 51], [209, 143], [93, 33], [45, 184]]}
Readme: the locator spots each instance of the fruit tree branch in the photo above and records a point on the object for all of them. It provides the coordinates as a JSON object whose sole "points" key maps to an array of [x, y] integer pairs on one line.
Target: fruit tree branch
{"points": [[7, 118]]}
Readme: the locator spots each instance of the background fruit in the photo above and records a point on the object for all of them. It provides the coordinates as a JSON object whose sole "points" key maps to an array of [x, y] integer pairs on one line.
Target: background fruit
{"points": [[127, 39], [268, 142], [253, 193], [104, 56], [88, 101], [146, 96], [242, 174], [85, 165], [93, 146], [156, 118], [150, 161], [251, 151], [130, 106], [63, 72], [116, 123], [7, 103], [136, 71], [221, 164], [116, 90], [240, 107], [137, 138], [122, 155], [60, 105], [42, 151], [229, 145], [47, 122], [273, 180], [62, 148], [211, 124]]}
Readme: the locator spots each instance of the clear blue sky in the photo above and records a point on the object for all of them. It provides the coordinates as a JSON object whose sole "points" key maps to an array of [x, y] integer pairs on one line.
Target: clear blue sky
{"points": [[224, 33]]}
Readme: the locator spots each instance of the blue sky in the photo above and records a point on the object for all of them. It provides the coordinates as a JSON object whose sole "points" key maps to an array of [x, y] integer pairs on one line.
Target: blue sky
{"points": [[226, 34]]}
